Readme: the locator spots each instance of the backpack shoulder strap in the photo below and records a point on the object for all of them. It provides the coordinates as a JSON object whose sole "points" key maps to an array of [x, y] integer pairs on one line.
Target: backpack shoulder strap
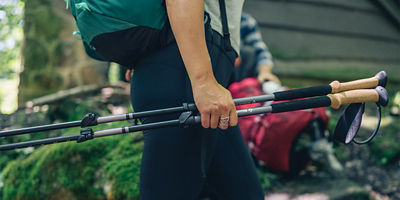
{"points": [[225, 27]]}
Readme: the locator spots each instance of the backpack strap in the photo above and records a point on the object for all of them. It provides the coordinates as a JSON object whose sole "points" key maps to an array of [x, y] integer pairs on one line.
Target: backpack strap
{"points": [[225, 27]]}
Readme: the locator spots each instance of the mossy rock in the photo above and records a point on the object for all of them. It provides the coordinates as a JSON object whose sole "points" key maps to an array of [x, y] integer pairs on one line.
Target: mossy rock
{"points": [[105, 168]]}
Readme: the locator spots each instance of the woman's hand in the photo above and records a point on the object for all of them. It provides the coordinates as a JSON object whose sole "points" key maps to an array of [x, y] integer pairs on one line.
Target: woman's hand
{"points": [[215, 104]]}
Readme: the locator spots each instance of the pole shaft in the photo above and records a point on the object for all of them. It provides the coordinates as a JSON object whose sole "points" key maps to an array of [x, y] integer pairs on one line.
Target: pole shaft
{"points": [[284, 95], [254, 99], [140, 127], [158, 112], [254, 111], [274, 108], [40, 128], [38, 142]]}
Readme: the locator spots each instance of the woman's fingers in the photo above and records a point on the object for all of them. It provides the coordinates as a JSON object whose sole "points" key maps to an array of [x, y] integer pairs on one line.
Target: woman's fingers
{"points": [[215, 105], [233, 117], [214, 119], [220, 117], [205, 119]]}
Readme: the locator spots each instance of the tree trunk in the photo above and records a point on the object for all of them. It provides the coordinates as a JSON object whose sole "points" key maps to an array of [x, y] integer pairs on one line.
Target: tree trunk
{"points": [[53, 59]]}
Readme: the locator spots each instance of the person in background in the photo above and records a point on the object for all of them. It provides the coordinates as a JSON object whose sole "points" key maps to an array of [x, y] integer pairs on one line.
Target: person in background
{"points": [[255, 59]]}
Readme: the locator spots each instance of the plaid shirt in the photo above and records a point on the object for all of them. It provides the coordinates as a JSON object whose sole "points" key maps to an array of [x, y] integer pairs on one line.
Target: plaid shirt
{"points": [[250, 36]]}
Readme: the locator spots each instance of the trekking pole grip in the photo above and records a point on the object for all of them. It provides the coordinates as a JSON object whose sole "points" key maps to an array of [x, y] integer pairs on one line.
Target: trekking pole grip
{"points": [[378, 95], [380, 79]]}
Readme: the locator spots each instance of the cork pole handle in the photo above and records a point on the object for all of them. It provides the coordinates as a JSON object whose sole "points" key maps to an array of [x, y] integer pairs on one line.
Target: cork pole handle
{"points": [[380, 79], [378, 95]]}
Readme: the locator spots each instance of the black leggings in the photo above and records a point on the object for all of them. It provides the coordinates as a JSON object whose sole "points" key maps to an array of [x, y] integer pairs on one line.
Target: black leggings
{"points": [[179, 163]]}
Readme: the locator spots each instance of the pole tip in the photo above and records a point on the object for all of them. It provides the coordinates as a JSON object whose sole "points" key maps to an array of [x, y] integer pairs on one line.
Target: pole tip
{"points": [[382, 78], [383, 96]]}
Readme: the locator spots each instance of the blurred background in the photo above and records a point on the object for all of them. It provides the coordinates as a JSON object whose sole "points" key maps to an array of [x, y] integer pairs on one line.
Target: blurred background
{"points": [[46, 77]]}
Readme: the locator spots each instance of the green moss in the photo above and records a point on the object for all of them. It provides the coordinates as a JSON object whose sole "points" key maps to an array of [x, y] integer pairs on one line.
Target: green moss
{"points": [[123, 170], [77, 170], [51, 169]]}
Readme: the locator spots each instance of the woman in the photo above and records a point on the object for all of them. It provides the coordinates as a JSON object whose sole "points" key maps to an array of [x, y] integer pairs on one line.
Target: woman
{"points": [[178, 163]]}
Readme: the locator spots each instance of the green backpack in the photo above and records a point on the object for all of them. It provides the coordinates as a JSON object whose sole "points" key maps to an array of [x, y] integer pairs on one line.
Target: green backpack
{"points": [[121, 31]]}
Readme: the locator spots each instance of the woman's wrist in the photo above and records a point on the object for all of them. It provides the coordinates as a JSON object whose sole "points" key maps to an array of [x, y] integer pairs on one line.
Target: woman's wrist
{"points": [[204, 79], [201, 72]]}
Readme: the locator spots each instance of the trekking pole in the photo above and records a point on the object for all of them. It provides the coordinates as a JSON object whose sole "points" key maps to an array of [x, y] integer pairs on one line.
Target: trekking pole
{"points": [[380, 79], [91, 119], [378, 95]]}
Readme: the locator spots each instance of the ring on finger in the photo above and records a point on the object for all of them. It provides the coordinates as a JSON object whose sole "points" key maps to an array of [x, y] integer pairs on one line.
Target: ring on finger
{"points": [[223, 121]]}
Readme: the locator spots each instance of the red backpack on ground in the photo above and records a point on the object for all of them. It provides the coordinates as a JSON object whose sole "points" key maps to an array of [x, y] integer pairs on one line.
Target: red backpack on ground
{"points": [[272, 137]]}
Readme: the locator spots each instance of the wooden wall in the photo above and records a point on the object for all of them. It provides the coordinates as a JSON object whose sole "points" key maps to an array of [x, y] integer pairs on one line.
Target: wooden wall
{"points": [[343, 33]]}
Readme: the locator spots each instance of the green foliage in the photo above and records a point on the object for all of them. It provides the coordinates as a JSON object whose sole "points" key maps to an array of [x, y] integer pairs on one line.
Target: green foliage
{"points": [[385, 148], [10, 38], [10, 42], [267, 178], [77, 171]]}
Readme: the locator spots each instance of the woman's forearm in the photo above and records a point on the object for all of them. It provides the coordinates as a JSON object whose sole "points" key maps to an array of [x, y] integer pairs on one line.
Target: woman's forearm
{"points": [[213, 101], [187, 21]]}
